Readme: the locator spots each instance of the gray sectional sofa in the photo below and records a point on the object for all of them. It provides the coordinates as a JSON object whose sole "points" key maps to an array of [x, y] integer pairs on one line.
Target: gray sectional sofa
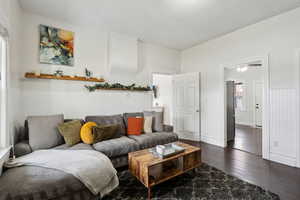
{"points": [[116, 149], [36, 183]]}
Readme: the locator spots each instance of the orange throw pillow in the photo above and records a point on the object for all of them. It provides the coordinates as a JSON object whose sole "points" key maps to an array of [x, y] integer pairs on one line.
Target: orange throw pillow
{"points": [[135, 125]]}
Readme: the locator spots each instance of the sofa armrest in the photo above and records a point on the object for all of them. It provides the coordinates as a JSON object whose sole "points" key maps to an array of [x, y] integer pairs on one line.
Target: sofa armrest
{"points": [[22, 148], [168, 128]]}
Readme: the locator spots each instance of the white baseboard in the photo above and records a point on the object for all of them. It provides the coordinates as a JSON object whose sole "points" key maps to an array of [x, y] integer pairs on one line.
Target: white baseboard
{"points": [[191, 137], [211, 140], [245, 124], [275, 157]]}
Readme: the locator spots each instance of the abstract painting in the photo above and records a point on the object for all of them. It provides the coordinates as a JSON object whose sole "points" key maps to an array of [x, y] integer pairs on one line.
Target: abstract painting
{"points": [[56, 46]]}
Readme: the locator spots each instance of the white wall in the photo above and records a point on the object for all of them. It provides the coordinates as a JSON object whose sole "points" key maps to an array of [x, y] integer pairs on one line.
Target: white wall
{"points": [[71, 98], [164, 96], [246, 117], [278, 37]]}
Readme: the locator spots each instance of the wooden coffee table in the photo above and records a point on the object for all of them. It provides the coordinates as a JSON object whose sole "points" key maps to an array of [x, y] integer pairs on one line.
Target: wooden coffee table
{"points": [[151, 170]]}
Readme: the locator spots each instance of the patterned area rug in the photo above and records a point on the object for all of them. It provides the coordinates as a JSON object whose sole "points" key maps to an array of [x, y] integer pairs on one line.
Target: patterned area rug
{"points": [[205, 183]]}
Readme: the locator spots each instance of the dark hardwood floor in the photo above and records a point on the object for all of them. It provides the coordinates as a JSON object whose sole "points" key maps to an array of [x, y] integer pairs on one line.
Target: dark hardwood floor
{"points": [[280, 179], [247, 139]]}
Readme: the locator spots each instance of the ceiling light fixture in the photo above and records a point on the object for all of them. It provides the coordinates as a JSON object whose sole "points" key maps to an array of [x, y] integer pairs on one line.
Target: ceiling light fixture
{"points": [[242, 69]]}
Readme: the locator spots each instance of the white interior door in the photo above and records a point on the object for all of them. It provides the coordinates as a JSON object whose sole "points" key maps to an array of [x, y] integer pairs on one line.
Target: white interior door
{"points": [[186, 99], [258, 103]]}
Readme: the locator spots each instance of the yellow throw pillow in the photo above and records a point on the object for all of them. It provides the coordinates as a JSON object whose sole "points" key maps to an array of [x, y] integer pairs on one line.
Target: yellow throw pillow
{"points": [[86, 132]]}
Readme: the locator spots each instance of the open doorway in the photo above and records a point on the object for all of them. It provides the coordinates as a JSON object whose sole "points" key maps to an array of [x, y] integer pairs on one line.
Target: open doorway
{"points": [[163, 95], [244, 102], [179, 97]]}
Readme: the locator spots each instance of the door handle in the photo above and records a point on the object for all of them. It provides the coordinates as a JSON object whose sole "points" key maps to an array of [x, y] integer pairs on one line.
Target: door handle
{"points": [[197, 111]]}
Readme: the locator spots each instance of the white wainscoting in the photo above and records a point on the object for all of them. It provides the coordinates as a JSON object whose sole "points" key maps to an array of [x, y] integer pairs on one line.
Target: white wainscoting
{"points": [[284, 126]]}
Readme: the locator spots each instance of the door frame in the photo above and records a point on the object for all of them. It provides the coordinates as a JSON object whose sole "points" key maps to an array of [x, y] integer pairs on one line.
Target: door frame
{"points": [[4, 129], [298, 100], [151, 81], [266, 100], [254, 101], [152, 96]]}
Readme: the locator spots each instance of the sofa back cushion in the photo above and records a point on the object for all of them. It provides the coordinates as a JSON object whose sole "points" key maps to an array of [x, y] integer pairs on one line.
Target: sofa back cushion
{"points": [[43, 131], [109, 120], [157, 120]]}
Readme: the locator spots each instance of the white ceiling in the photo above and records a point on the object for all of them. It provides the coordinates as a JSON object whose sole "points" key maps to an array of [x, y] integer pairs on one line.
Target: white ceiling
{"points": [[173, 23]]}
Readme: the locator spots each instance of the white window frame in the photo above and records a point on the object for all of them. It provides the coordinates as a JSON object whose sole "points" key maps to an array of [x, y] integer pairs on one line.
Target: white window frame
{"points": [[4, 140]]}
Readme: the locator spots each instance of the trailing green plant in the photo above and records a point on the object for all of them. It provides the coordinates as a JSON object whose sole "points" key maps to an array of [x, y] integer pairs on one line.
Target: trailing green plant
{"points": [[117, 86]]}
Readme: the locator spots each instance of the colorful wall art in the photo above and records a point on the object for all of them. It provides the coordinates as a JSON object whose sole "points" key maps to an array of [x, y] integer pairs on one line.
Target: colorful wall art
{"points": [[56, 46]]}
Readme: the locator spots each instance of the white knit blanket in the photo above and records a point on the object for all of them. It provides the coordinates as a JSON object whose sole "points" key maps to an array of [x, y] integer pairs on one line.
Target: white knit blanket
{"points": [[92, 168]]}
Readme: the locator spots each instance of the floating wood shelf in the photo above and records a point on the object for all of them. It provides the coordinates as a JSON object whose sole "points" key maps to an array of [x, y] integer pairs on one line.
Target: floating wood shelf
{"points": [[68, 78], [120, 89]]}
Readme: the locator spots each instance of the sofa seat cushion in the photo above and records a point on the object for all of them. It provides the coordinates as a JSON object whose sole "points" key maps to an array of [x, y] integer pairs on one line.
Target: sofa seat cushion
{"points": [[116, 147], [79, 146], [149, 140]]}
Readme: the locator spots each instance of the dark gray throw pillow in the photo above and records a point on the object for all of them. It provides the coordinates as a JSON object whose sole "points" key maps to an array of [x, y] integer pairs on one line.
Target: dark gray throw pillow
{"points": [[104, 132], [109, 120], [43, 131], [157, 123]]}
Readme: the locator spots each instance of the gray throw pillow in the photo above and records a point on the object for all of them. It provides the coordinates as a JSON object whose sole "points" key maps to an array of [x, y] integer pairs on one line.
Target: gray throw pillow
{"points": [[157, 123], [126, 115], [43, 131]]}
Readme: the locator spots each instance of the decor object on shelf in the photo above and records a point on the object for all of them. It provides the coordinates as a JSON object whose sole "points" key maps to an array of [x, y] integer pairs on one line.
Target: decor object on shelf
{"points": [[56, 46], [37, 72], [117, 86], [154, 88], [68, 78], [88, 73], [58, 73]]}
